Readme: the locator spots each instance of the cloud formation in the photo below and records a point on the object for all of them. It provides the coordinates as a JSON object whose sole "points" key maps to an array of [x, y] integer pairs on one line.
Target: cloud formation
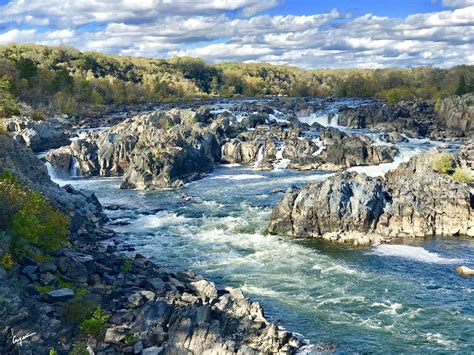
{"points": [[228, 30]]}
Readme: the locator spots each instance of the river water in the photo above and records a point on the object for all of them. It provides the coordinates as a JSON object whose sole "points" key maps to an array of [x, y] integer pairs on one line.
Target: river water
{"points": [[390, 298]]}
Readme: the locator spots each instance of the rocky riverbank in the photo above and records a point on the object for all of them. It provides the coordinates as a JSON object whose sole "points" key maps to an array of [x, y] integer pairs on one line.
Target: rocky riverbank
{"points": [[87, 297], [166, 149], [413, 200], [415, 119]]}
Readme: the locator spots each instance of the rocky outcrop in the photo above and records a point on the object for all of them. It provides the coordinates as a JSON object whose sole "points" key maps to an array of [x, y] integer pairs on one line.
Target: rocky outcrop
{"points": [[457, 113], [85, 211], [156, 150], [410, 201], [38, 135], [145, 308], [332, 150]]}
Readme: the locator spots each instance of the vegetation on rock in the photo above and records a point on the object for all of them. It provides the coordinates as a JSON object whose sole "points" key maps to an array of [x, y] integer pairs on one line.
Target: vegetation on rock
{"points": [[35, 226], [442, 163], [462, 175]]}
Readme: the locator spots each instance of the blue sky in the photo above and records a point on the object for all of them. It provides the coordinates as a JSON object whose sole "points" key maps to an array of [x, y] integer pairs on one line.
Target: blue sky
{"points": [[306, 33]]}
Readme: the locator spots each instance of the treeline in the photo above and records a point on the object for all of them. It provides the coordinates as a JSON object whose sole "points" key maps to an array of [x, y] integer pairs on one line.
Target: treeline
{"points": [[65, 80]]}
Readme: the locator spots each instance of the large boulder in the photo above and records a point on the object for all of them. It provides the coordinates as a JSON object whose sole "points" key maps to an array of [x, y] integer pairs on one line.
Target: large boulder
{"points": [[410, 201], [38, 135], [457, 113], [151, 151]]}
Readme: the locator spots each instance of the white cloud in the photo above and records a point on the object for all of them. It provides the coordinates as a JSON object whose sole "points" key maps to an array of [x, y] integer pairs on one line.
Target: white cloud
{"points": [[164, 28]]}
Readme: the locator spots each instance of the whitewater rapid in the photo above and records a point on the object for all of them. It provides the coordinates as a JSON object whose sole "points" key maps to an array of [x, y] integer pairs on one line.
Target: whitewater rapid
{"points": [[397, 298]]}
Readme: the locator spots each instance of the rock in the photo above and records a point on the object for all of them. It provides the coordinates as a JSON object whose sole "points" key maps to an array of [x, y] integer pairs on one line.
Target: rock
{"points": [[158, 150], [60, 295], [457, 113], [411, 201], [465, 271], [393, 137], [204, 288], [38, 135], [115, 335], [154, 350]]}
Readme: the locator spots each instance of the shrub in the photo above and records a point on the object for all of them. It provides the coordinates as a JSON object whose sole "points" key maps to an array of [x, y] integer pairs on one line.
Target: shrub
{"points": [[442, 163], [77, 311], [96, 324], [3, 127], [79, 349], [33, 221], [52, 351], [462, 175], [7, 261], [38, 115], [130, 339], [126, 266]]}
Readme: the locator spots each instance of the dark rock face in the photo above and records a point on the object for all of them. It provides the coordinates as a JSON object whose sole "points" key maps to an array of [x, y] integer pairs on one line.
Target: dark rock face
{"points": [[411, 201], [152, 310], [457, 113], [344, 150], [38, 135], [157, 150], [334, 150], [415, 119]]}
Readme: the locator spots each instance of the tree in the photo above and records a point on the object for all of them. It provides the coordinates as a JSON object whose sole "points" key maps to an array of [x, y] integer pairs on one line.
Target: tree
{"points": [[461, 89]]}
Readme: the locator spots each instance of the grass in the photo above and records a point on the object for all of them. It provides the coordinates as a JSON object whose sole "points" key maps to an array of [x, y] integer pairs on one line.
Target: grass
{"points": [[77, 311], [43, 289]]}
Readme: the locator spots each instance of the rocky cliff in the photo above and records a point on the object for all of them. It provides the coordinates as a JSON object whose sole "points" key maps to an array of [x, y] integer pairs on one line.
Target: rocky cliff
{"points": [[410, 201], [38, 135], [457, 113]]}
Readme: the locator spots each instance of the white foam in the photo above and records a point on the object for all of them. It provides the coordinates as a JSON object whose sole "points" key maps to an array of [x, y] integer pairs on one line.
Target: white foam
{"points": [[323, 120], [413, 253], [403, 156], [239, 177]]}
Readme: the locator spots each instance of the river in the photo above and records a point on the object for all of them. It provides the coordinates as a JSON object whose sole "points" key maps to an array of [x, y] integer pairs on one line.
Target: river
{"points": [[389, 298]]}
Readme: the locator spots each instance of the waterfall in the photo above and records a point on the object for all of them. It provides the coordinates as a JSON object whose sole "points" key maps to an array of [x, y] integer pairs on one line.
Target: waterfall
{"points": [[334, 121], [75, 169], [282, 162], [259, 156]]}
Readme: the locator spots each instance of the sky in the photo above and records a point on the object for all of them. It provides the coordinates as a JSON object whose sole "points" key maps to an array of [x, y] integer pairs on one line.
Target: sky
{"points": [[306, 33]]}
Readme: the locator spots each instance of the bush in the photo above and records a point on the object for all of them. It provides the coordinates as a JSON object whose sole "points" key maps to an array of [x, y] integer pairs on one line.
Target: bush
{"points": [[38, 115], [442, 163], [79, 349], [462, 175], [7, 261], [96, 324], [78, 311], [33, 221], [126, 266]]}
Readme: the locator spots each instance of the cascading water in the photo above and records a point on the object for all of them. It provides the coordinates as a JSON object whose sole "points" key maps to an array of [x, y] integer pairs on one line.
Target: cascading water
{"points": [[75, 169], [260, 156]]}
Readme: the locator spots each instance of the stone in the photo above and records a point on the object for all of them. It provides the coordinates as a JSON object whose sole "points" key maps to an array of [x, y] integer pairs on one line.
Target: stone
{"points": [[465, 271], [204, 288], [410, 201], [154, 350], [60, 295]]}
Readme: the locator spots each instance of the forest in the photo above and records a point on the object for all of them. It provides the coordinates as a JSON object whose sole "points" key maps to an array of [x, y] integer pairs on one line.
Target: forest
{"points": [[66, 80]]}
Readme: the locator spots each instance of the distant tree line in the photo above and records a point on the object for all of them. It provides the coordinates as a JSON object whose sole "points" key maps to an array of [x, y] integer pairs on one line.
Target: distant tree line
{"points": [[65, 80]]}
